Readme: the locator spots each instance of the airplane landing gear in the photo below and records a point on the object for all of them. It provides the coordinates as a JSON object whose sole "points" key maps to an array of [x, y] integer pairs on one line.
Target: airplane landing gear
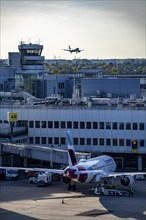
{"points": [[72, 187]]}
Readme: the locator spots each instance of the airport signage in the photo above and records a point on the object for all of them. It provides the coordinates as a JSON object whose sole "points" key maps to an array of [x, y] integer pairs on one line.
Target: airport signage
{"points": [[12, 116]]}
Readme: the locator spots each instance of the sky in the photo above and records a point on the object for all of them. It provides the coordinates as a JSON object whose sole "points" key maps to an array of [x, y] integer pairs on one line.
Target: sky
{"points": [[105, 29]]}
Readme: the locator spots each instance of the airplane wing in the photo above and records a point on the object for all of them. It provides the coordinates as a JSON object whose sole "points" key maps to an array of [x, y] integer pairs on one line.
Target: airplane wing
{"points": [[110, 174], [34, 169], [93, 172], [116, 174], [103, 174], [49, 170], [65, 49]]}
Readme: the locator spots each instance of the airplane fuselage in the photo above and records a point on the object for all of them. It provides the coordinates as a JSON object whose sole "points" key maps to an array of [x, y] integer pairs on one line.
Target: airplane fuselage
{"points": [[75, 50], [78, 172]]}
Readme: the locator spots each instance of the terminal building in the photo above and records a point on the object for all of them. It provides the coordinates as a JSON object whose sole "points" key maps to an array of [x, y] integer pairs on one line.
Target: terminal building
{"points": [[116, 127], [104, 115]]}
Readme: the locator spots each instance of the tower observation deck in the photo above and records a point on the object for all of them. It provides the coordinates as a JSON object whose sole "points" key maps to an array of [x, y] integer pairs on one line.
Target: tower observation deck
{"points": [[31, 59], [31, 68]]}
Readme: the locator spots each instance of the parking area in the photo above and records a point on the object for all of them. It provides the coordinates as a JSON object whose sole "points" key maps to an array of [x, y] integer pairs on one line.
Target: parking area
{"points": [[23, 201]]}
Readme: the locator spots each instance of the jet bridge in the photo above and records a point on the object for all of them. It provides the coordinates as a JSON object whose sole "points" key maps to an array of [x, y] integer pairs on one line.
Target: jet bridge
{"points": [[49, 154]]}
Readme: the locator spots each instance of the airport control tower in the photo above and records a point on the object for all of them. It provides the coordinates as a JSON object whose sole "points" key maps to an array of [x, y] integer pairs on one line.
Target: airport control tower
{"points": [[31, 67]]}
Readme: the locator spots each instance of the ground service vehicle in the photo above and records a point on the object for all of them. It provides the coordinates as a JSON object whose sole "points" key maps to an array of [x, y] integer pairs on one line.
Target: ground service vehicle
{"points": [[139, 177], [8, 174], [41, 179], [110, 192]]}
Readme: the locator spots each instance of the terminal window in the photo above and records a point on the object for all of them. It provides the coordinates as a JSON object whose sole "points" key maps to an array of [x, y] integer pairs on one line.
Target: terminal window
{"points": [[95, 125], [108, 125], [56, 124], [43, 140], [108, 142], [141, 143], [135, 126], [62, 140], [88, 141], [101, 125], [82, 124], [101, 141], [31, 140], [141, 126], [121, 142], [60, 85], [82, 141], [115, 142], [50, 140], [75, 141], [114, 125], [37, 140], [56, 140], [121, 126], [19, 123], [69, 124], [75, 124], [128, 126], [95, 141], [50, 124], [37, 124], [62, 124], [43, 124], [88, 125], [31, 124], [128, 142]]}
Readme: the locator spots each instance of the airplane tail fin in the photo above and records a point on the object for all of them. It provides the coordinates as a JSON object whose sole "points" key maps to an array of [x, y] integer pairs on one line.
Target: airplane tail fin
{"points": [[69, 47], [71, 152]]}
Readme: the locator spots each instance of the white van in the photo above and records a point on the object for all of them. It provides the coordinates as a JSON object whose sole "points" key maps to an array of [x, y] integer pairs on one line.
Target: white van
{"points": [[8, 174]]}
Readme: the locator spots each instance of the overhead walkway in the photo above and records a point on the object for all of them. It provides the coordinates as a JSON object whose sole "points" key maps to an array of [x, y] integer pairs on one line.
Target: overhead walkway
{"points": [[49, 154]]}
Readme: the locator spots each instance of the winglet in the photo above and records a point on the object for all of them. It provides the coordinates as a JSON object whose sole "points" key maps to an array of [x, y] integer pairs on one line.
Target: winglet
{"points": [[71, 152]]}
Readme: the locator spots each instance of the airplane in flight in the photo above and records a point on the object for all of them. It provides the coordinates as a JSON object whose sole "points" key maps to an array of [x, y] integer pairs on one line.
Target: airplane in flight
{"points": [[76, 50], [93, 170]]}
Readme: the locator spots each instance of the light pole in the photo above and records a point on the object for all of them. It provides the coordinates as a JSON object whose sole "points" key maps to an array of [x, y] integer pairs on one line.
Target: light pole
{"points": [[11, 118], [51, 156], [11, 122]]}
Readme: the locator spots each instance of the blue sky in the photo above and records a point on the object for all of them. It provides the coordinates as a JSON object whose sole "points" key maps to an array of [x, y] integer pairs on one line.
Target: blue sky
{"points": [[104, 29]]}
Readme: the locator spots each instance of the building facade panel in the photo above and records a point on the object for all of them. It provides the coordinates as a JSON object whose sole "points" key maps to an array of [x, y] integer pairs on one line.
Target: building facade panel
{"points": [[101, 124]]}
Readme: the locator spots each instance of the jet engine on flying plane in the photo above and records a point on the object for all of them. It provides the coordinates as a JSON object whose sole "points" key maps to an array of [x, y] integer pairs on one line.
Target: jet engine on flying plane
{"points": [[127, 180]]}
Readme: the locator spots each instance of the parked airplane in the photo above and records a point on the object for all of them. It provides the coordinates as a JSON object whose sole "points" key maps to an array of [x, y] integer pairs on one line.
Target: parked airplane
{"points": [[93, 170], [76, 50]]}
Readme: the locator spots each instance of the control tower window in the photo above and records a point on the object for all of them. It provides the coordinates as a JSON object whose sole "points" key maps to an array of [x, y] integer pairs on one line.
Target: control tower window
{"points": [[31, 52]]}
